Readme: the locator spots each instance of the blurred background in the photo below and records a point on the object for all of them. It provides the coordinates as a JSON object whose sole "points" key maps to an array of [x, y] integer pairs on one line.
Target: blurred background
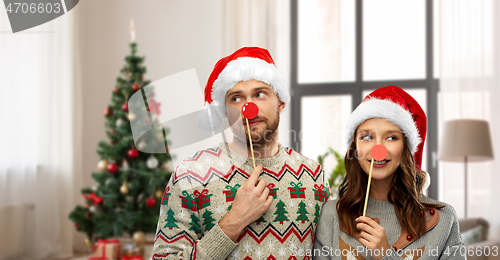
{"points": [[57, 78]]}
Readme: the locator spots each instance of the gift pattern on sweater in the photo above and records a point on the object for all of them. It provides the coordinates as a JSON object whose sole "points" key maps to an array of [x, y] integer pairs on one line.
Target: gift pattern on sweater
{"points": [[203, 187], [442, 239]]}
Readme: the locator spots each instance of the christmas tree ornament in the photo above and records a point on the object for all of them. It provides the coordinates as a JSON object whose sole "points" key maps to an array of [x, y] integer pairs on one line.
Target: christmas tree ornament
{"points": [[166, 167], [150, 202], [125, 165], [93, 209], [131, 116], [158, 194], [115, 90], [87, 242], [125, 107], [108, 111], [139, 238], [102, 165], [152, 162], [124, 188], [133, 153], [112, 131], [119, 122], [141, 145], [136, 87], [112, 168]]}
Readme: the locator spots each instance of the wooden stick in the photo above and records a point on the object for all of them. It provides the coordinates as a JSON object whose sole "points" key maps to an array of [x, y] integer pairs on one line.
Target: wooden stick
{"points": [[368, 188], [251, 146]]}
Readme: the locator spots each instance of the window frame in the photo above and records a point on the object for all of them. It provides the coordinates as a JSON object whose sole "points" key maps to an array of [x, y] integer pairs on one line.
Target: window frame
{"points": [[355, 89]]}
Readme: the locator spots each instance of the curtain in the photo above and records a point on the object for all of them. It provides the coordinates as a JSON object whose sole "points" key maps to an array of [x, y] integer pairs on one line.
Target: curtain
{"points": [[469, 79], [39, 115], [263, 24]]}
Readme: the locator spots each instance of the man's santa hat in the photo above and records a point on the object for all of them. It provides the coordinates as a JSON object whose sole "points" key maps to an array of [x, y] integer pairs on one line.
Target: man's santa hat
{"points": [[244, 64], [395, 105]]}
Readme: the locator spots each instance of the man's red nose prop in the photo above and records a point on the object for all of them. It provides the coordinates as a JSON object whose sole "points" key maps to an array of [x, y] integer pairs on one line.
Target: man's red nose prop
{"points": [[379, 152], [250, 110]]}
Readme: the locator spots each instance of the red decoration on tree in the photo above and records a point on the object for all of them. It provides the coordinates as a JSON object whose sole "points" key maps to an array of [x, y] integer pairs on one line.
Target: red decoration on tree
{"points": [[125, 107], [250, 110], [112, 167], [150, 202], [135, 87], [108, 111], [154, 106], [95, 199], [115, 90], [112, 131], [133, 153]]}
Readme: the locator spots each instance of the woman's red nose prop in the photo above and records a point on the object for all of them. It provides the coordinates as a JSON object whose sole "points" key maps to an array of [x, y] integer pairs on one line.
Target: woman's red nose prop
{"points": [[250, 110], [379, 152]]}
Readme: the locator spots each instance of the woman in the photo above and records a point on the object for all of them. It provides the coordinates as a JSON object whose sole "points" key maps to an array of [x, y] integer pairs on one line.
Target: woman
{"points": [[400, 222]]}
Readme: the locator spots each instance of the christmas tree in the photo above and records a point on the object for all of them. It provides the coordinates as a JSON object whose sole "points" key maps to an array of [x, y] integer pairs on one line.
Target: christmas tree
{"points": [[280, 212], [208, 220], [302, 212], [170, 220], [130, 183], [195, 226], [316, 213]]}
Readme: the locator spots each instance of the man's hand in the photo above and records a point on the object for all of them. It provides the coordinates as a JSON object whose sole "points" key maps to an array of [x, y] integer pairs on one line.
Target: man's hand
{"points": [[251, 201], [372, 236]]}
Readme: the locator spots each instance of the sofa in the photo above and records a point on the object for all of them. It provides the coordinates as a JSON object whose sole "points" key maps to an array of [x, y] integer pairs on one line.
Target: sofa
{"points": [[477, 229]]}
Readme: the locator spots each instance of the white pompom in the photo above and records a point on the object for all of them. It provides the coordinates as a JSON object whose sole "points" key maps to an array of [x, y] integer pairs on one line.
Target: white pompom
{"points": [[427, 181]]}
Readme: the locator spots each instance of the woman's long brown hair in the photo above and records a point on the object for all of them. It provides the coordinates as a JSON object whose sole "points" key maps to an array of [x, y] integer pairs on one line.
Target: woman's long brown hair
{"points": [[407, 184]]}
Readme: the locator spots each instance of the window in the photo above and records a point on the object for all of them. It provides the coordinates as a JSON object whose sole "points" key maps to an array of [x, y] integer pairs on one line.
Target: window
{"points": [[342, 50]]}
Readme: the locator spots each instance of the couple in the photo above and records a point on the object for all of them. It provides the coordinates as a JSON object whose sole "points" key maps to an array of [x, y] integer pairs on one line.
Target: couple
{"points": [[213, 208]]}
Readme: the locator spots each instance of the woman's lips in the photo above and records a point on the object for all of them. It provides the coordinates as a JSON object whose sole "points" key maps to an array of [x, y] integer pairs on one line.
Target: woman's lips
{"points": [[380, 165]]}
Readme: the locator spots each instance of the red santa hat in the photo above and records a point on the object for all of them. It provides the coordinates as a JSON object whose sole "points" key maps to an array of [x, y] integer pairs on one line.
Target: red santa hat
{"points": [[244, 64], [395, 105]]}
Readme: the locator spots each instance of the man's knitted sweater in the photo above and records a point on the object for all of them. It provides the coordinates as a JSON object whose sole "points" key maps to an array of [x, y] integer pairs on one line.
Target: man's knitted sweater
{"points": [[442, 239], [203, 187]]}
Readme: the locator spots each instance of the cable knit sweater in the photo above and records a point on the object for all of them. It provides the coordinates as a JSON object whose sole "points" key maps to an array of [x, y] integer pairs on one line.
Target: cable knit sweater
{"points": [[441, 240], [202, 189]]}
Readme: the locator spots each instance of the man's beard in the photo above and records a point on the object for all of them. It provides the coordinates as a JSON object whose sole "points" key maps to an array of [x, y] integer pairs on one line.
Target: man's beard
{"points": [[261, 138]]}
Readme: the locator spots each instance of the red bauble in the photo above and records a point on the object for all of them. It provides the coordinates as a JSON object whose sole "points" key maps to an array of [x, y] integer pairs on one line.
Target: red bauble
{"points": [[250, 110], [112, 131], [112, 167], [115, 90], [133, 153], [150, 202], [125, 107], [136, 87], [108, 111]]}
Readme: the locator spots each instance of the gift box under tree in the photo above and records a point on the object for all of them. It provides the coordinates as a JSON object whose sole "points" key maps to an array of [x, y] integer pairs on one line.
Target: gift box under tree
{"points": [[297, 191], [106, 250]]}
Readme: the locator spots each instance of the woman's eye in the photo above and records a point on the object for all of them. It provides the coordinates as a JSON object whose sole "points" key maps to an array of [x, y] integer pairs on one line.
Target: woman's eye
{"points": [[366, 137], [392, 138]]}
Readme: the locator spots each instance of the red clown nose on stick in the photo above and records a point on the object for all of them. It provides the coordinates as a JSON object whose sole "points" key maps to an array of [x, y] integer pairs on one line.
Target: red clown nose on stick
{"points": [[379, 152], [250, 110]]}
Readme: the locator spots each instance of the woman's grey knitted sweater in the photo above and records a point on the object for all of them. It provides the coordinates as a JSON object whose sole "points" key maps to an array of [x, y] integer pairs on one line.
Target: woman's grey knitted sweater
{"points": [[442, 239]]}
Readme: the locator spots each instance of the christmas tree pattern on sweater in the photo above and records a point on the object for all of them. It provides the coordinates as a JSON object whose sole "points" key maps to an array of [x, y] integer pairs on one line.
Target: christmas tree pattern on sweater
{"points": [[202, 191]]}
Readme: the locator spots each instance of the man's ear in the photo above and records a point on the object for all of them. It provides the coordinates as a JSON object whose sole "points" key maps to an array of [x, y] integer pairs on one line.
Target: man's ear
{"points": [[281, 106]]}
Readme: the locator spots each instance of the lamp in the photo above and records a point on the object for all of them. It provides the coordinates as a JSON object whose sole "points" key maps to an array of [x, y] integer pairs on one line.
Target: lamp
{"points": [[465, 140]]}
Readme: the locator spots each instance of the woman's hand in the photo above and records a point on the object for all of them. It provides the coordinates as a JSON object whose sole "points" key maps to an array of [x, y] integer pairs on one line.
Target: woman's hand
{"points": [[372, 236]]}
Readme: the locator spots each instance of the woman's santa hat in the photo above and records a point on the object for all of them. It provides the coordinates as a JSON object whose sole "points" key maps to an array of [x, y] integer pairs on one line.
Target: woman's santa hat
{"points": [[395, 105], [244, 64]]}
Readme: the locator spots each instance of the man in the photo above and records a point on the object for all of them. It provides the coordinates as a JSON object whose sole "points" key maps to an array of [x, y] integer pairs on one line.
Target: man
{"points": [[216, 205]]}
